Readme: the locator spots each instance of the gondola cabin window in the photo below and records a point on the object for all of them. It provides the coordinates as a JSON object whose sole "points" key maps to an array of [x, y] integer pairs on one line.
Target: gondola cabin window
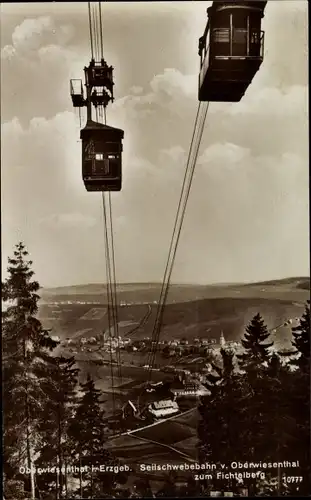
{"points": [[221, 34], [221, 39], [102, 164], [240, 30], [236, 33]]}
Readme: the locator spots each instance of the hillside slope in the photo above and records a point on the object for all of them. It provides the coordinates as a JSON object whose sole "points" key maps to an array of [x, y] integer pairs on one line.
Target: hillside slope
{"points": [[150, 292], [215, 308]]}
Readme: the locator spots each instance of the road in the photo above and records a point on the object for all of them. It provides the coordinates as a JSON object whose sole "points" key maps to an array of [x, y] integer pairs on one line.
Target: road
{"points": [[158, 422], [158, 443], [171, 448]]}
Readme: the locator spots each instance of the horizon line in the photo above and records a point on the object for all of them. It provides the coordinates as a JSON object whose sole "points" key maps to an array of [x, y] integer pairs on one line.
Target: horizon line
{"points": [[183, 283]]}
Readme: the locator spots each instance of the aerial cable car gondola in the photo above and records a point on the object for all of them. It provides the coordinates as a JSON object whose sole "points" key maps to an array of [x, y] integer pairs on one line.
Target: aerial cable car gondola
{"points": [[101, 144], [231, 49], [101, 157]]}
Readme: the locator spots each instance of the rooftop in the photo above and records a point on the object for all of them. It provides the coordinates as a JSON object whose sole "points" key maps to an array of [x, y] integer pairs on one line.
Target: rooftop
{"points": [[161, 405]]}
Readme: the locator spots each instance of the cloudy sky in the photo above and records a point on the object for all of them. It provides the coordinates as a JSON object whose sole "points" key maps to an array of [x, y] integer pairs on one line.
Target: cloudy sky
{"points": [[247, 217]]}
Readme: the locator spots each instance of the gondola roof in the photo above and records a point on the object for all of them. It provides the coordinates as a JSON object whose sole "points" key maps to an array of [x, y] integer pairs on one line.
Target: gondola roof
{"points": [[259, 4], [91, 125]]}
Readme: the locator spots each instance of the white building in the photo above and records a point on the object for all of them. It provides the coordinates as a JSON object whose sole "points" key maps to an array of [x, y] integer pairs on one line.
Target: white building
{"points": [[163, 408], [55, 338], [189, 389]]}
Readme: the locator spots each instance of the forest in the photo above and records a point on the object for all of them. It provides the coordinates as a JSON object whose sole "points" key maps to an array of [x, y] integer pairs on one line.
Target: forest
{"points": [[54, 428]]}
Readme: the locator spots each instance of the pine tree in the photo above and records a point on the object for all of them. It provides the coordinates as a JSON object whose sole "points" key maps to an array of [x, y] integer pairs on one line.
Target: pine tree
{"points": [[255, 351], [255, 403], [25, 347], [269, 426], [301, 341], [278, 423], [240, 416], [221, 423], [299, 394], [87, 432], [54, 448]]}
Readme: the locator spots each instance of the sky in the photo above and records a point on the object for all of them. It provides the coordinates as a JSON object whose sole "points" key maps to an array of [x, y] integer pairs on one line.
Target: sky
{"points": [[248, 213]]}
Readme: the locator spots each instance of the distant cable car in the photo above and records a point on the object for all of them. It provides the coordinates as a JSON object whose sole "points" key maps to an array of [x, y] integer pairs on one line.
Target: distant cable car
{"points": [[101, 157], [231, 49]]}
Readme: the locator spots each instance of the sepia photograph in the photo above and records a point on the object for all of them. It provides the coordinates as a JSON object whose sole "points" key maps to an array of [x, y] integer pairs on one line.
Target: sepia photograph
{"points": [[155, 291]]}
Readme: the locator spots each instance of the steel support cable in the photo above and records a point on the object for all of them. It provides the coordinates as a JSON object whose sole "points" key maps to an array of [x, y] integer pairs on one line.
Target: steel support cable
{"points": [[97, 40], [202, 119], [92, 23], [108, 278], [110, 291], [95, 32], [111, 263], [101, 31], [114, 291], [194, 146], [113, 270], [112, 279], [112, 283], [111, 276], [99, 35], [192, 158], [90, 26], [108, 298], [93, 39], [172, 239], [80, 118]]}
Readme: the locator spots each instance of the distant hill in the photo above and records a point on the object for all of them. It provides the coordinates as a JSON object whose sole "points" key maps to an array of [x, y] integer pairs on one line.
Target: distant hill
{"points": [[150, 292], [97, 288], [303, 283], [191, 310]]}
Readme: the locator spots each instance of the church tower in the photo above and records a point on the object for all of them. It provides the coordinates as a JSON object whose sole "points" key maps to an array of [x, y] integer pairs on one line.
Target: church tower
{"points": [[222, 341]]}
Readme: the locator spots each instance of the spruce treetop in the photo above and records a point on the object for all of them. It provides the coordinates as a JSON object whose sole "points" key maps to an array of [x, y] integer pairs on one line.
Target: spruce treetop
{"points": [[256, 351], [301, 339], [19, 288], [19, 323]]}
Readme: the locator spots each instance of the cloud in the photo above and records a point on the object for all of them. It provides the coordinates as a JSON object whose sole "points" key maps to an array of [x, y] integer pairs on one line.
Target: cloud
{"points": [[250, 190], [26, 35], [274, 102], [286, 44], [31, 34], [244, 207], [247, 216], [71, 220], [170, 83], [136, 90]]}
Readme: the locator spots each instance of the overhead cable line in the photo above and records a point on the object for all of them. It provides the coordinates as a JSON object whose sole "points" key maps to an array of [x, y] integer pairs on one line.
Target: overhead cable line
{"points": [[181, 210], [90, 25], [97, 51]]}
